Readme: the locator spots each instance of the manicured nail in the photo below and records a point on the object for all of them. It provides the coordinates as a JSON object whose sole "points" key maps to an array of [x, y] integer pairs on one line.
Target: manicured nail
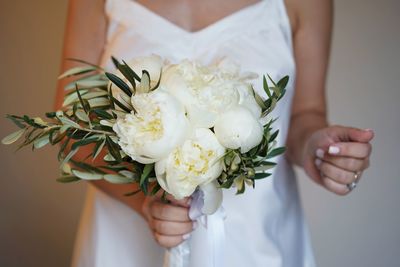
{"points": [[318, 163], [319, 153], [334, 150], [195, 224], [185, 236]]}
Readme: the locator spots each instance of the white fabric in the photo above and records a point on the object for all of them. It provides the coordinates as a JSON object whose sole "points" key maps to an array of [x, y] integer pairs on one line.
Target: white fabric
{"points": [[264, 226]]}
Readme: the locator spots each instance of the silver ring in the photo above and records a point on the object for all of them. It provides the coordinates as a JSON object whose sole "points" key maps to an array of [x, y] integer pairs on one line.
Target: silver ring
{"points": [[353, 184]]}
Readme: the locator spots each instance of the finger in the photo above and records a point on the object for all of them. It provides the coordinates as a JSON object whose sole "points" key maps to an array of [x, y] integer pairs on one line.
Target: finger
{"points": [[334, 187], [347, 163], [337, 174], [168, 212], [350, 149], [185, 202], [172, 228], [169, 241], [352, 134]]}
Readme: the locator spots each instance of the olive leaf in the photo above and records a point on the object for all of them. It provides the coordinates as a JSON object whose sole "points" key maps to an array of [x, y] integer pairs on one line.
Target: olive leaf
{"points": [[11, 138], [76, 71], [87, 175]]}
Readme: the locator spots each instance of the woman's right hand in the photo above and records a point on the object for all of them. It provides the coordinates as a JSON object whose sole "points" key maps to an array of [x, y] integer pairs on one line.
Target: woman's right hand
{"points": [[169, 222]]}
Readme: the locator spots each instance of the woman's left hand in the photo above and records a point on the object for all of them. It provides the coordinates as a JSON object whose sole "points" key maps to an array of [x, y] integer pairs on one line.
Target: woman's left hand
{"points": [[336, 156]]}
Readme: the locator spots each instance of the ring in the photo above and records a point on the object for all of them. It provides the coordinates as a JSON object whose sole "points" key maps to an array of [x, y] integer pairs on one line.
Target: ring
{"points": [[353, 184]]}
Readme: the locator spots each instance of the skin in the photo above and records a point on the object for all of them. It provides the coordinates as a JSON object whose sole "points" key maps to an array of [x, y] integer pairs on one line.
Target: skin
{"points": [[330, 155]]}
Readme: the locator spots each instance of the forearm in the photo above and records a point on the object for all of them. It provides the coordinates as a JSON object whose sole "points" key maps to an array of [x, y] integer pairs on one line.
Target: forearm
{"points": [[85, 35], [302, 126]]}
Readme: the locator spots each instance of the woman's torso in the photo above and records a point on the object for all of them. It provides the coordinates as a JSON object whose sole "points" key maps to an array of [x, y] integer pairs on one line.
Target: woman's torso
{"points": [[264, 226]]}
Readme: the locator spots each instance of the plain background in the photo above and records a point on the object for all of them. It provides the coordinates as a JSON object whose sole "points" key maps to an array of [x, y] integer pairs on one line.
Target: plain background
{"points": [[38, 216]]}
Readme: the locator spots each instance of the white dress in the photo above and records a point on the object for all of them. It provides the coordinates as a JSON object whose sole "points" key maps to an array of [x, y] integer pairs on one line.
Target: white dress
{"points": [[265, 225]]}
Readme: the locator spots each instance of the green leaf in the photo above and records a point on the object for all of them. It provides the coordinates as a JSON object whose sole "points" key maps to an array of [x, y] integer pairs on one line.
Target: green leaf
{"points": [[84, 62], [283, 82], [263, 168], [98, 148], [133, 73], [144, 86], [85, 104], [155, 189], [102, 114], [16, 121], [99, 102], [239, 183], [77, 71], [62, 148], [87, 78], [87, 175], [72, 97], [113, 148], [129, 74], [275, 152], [129, 174], [11, 138], [87, 84], [269, 77], [68, 122], [84, 142], [259, 176], [119, 104], [119, 82], [146, 172], [117, 179], [115, 62], [266, 87], [82, 115], [68, 179], [69, 156], [41, 142], [273, 136]]}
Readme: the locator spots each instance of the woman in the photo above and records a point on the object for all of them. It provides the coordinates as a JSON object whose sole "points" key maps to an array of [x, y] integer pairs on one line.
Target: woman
{"points": [[264, 226]]}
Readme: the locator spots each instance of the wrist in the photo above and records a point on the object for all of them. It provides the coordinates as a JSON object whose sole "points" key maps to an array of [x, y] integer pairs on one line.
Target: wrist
{"points": [[303, 126]]}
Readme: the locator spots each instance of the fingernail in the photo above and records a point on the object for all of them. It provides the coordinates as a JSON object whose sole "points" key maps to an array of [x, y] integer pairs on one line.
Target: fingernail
{"points": [[334, 150], [189, 201], [368, 130], [195, 225], [185, 236], [319, 153], [318, 163]]}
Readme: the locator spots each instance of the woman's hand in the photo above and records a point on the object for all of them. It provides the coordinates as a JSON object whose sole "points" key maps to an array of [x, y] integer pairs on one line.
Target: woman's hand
{"points": [[169, 222], [335, 156]]}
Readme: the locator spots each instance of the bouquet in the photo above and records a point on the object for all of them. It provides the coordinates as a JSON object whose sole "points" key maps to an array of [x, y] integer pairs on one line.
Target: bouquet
{"points": [[183, 129]]}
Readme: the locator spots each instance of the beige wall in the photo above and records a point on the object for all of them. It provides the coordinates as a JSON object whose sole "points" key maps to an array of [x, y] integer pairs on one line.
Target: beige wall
{"points": [[38, 216]]}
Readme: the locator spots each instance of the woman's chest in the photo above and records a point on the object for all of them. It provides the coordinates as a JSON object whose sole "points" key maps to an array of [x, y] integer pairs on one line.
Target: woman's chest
{"points": [[193, 15]]}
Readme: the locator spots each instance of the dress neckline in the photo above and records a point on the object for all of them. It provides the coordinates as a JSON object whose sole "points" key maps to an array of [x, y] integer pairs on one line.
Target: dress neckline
{"points": [[214, 25]]}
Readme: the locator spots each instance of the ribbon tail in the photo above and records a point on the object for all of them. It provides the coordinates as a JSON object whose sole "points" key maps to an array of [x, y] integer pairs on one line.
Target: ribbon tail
{"points": [[178, 256], [216, 237]]}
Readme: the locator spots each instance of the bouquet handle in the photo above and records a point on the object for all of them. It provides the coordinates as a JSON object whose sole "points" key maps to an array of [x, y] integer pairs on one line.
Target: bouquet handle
{"points": [[178, 256]]}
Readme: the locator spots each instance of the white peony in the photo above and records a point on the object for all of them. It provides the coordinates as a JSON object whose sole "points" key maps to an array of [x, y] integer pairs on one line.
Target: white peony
{"points": [[206, 91], [247, 100], [153, 64], [195, 163], [238, 128], [155, 130]]}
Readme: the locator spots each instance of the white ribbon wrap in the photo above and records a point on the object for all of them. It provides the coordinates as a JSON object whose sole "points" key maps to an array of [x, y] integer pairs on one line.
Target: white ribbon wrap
{"points": [[179, 256]]}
